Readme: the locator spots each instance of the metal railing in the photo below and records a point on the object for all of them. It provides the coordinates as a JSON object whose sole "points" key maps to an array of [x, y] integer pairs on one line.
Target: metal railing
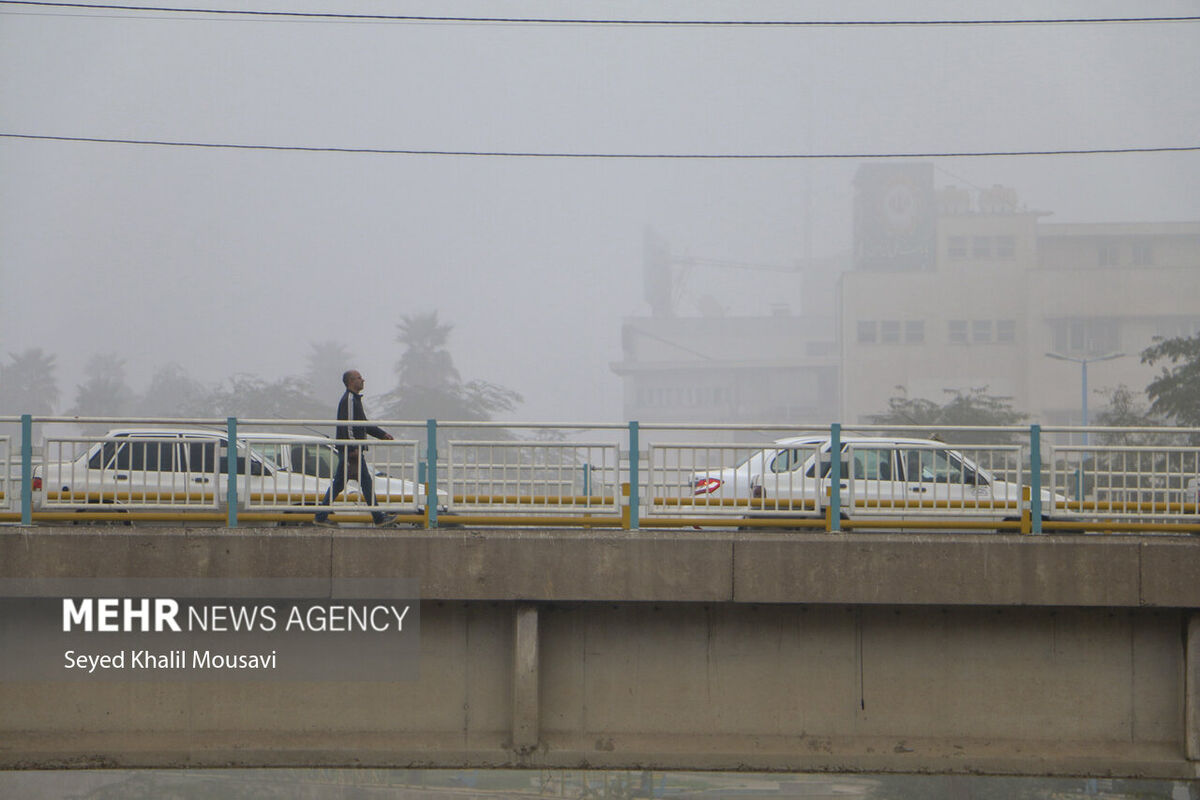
{"points": [[435, 474], [533, 477], [1138, 482]]}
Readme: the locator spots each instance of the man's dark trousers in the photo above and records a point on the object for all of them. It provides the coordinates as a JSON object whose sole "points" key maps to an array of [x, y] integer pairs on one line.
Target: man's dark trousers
{"points": [[365, 481]]}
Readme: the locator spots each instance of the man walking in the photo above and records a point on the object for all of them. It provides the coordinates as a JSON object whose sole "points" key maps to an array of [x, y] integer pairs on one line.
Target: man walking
{"points": [[351, 465]]}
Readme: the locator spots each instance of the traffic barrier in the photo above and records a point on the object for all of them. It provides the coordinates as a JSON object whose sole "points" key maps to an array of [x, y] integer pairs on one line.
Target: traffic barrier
{"points": [[634, 476]]}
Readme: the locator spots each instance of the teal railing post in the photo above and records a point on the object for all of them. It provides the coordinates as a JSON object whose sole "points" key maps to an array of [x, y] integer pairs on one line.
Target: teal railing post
{"points": [[1035, 478], [231, 495], [635, 457], [431, 495], [27, 469], [835, 477]]}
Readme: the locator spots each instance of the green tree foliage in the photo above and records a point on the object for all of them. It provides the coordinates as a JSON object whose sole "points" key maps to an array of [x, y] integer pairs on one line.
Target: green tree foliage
{"points": [[1175, 393], [974, 407], [1142, 467], [1124, 409], [251, 397], [28, 384], [430, 385], [173, 393]]}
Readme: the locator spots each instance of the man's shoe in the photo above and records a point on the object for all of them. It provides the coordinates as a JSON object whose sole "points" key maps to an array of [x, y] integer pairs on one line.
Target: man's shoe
{"points": [[385, 519], [324, 523]]}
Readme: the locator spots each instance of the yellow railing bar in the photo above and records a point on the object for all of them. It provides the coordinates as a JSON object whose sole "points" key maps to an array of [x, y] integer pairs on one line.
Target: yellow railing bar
{"points": [[120, 515], [534, 500], [613, 521], [729, 502], [207, 497]]}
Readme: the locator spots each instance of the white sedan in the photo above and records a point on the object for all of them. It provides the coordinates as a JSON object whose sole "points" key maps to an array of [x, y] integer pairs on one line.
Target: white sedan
{"points": [[908, 478]]}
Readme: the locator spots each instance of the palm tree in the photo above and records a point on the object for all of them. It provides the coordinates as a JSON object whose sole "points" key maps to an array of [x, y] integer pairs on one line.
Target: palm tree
{"points": [[105, 393], [426, 362], [429, 384], [28, 384], [326, 362]]}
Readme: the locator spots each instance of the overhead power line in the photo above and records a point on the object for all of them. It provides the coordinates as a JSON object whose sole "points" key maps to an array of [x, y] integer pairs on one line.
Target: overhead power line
{"points": [[597, 154], [604, 155], [569, 21]]}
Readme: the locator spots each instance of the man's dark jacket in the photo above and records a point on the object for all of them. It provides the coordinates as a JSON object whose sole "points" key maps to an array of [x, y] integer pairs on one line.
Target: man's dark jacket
{"points": [[350, 408]]}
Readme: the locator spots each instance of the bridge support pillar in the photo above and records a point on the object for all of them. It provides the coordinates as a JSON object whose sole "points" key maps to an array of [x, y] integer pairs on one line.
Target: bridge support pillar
{"points": [[525, 731], [1192, 688]]}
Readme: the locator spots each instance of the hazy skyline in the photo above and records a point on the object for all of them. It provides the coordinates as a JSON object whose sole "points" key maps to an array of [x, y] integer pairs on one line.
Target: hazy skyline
{"points": [[235, 261]]}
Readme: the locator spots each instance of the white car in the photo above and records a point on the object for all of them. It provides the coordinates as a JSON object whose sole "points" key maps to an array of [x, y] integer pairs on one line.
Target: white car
{"points": [[170, 468], [908, 478]]}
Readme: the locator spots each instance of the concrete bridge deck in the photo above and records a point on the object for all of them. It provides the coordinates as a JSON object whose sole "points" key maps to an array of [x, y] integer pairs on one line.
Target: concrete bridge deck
{"points": [[951, 653]]}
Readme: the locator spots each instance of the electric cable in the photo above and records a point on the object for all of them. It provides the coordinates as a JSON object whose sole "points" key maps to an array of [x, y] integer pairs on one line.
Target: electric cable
{"points": [[609, 155], [338, 16]]}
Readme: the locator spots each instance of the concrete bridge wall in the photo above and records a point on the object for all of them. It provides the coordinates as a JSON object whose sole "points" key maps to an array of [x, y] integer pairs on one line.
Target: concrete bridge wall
{"points": [[810, 652]]}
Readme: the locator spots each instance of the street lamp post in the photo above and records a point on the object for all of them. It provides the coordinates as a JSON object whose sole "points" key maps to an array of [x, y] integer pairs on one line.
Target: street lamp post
{"points": [[1083, 364]]}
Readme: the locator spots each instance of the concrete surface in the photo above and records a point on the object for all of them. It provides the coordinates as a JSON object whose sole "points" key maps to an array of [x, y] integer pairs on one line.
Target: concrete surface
{"points": [[1055, 655]]}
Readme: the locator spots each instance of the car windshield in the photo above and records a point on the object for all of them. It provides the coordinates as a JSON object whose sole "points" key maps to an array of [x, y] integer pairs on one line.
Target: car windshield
{"points": [[270, 451], [791, 459]]}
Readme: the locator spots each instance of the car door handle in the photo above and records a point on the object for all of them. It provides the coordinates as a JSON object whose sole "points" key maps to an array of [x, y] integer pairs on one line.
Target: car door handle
{"points": [[201, 480], [121, 476], [920, 489]]}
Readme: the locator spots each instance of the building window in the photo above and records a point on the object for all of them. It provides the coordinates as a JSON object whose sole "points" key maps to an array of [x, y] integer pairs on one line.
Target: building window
{"points": [[867, 332], [958, 331], [1006, 247], [1085, 337], [914, 331], [1006, 331], [889, 331], [1176, 327], [1108, 255], [981, 247], [981, 331], [956, 248], [1143, 254]]}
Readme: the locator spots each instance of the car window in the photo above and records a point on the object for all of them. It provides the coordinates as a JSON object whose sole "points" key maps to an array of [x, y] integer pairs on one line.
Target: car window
{"points": [[202, 457], [936, 466], [103, 456], [143, 456], [873, 464], [312, 459], [789, 460]]}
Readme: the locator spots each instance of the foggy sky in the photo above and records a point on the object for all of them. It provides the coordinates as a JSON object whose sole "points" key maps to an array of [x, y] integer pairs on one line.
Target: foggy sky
{"points": [[232, 261]]}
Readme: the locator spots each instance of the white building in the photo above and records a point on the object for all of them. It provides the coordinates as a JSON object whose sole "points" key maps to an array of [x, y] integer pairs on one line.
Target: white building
{"points": [[947, 290], [994, 288]]}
